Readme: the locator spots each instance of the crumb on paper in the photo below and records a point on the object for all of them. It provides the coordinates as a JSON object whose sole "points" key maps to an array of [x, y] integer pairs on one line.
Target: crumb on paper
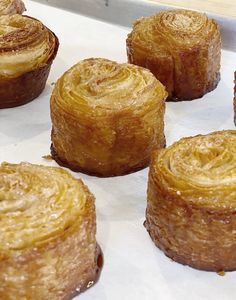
{"points": [[221, 273], [47, 157]]}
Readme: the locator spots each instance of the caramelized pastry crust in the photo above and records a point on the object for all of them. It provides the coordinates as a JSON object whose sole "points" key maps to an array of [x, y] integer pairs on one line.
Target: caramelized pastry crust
{"points": [[11, 7], [181, 48], [107, 117], [27, 49], [191, 201], [48, 248], [235, 98]]}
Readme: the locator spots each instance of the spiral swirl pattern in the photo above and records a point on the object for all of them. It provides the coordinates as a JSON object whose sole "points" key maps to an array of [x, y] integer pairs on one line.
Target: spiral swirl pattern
{"points": [[191, 201], [181, 48], [25, 44], [46, 216], [25, 205], [96, 83], [27, 49], [11, 7], [202, 163], [98, 107]]}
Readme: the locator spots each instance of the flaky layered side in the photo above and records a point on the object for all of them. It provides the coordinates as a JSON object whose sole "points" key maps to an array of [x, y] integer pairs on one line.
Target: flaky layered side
{"points": [[235, 98], [107, 117], [11, 7], [48, 248], [181, 48], [27, 49], [191, 209]]}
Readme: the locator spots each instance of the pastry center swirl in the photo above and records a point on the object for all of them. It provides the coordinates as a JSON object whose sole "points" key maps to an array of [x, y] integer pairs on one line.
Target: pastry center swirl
{"points": [[106, 84], [5, 29], [164, 32], [33, 206], [25, 43], [201, 161], [17, 30], [202, 169], [205, 164], [183, 22]]}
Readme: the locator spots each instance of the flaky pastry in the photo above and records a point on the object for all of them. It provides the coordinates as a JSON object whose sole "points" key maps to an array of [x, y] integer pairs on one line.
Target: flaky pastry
{"points": [[106, 117], [48, 248], [11, 7], [235, 98], [27, 49], [191, 209], [181, 48]]}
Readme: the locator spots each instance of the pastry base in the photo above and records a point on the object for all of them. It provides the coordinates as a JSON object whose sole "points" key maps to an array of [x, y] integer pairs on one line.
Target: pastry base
{"points": [[21, 90], [76, 168], [91, 282], [179, 259], [209, 89]]}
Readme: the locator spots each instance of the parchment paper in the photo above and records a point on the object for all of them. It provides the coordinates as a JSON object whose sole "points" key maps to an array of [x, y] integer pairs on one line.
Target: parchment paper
{"points": [[134, 268]]}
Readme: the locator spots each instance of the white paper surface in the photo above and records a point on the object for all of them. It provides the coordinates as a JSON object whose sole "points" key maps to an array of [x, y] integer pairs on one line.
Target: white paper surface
{"points": [[134, 268]]}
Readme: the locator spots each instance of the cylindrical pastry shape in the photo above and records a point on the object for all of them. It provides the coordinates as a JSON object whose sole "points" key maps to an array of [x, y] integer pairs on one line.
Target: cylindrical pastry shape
{"points": [[11, 7], [191, 201], [27, 49], [181, 48], [48, 248], [107, 117], [235, 98]]}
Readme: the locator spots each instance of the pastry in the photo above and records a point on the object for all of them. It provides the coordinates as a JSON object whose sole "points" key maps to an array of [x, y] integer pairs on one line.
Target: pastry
{"points": [[181, 48], [191, 201], [11, 7], [106, 117], [235, 98], [27, 49], [48, 248]]}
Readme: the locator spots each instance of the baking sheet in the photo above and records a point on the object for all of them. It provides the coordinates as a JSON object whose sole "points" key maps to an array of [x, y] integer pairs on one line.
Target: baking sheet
{"points": [[134, 268]]}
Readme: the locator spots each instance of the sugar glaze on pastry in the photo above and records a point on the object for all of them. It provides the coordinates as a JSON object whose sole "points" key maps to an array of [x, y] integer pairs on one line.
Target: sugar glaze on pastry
{"points": [[107, 117], [181, 48], [25, 43], [235, 98], [191, 201], [27, 49], [11, 7], [48, 248]]}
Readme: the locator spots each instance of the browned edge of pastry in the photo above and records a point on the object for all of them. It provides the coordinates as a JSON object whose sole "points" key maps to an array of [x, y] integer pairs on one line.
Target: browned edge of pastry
{"points": [[26, 87], [208, 89], [75, 168], [235, 98], [91, 282], [189, 208], [180, 259]]}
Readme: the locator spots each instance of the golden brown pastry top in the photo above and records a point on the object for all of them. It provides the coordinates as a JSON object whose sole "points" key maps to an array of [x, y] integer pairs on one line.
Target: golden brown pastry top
{"points": [[10, 7], [201, 169], [161, 33], [37, 204], [97, 85], [25, 44]]}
